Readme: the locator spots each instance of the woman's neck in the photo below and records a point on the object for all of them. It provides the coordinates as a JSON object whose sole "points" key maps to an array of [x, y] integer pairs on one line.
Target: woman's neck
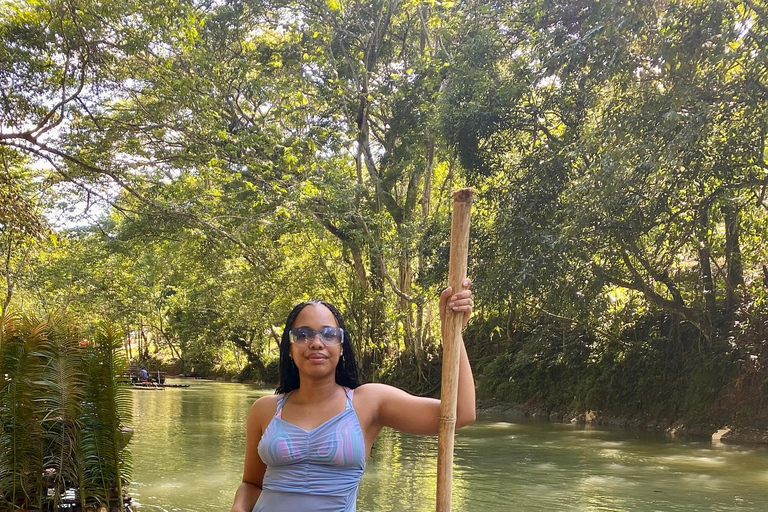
{"points": [[316, 391]]}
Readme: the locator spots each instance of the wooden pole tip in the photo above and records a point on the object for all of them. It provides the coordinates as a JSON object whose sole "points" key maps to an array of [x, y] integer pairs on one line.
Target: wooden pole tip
{"points": [[463, 195]]}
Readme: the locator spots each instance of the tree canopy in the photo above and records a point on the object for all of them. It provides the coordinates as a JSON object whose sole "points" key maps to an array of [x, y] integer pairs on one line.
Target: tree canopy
{"points": [[226, 160]]}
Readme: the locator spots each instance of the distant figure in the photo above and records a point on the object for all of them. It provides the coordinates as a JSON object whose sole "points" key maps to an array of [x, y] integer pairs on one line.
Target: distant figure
{"points": [[143, 375]]}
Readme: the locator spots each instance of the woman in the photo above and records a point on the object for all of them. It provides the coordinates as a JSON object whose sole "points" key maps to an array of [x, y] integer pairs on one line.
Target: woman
{"points": [[306, 446]]}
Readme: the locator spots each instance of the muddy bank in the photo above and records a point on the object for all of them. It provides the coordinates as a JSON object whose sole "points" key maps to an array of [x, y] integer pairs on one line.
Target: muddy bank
{"points": [[747, 432]]}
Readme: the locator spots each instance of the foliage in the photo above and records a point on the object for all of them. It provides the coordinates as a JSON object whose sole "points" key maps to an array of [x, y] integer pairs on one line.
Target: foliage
{"points": [[651, 372], [234, 158], [21, 225], [62, 413]]}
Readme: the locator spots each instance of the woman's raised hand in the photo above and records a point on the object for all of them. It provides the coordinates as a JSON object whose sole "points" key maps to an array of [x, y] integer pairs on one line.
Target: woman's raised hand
{"points": [[458, 302]]}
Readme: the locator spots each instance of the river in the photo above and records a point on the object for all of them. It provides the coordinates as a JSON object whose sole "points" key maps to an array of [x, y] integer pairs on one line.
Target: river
{"points": [[188, 450]]}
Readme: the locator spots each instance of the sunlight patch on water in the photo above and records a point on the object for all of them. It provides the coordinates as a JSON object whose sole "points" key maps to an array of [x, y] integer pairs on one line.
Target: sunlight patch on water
{"points": [[613, 443], [702, 481], [601, 493], [607, 481], [598, 508], [614, 467], [168, 485], [501, 424], [693, 460]]}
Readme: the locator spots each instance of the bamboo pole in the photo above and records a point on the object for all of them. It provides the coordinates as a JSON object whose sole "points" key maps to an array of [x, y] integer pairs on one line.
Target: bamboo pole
{"points": [[457, 272]]}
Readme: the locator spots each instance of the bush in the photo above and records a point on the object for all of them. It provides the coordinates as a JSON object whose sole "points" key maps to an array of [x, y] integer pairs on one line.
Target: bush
{"points": [[62, 413], [654, 370]]}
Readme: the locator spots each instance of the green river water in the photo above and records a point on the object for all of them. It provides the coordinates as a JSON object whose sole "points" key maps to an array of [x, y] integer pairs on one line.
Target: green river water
{"points": [[188, 450]]}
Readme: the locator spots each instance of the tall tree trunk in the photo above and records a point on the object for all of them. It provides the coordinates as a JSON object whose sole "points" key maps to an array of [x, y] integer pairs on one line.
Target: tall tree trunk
{"points": [[129, 343], [735, 271], [357, 262], [253, 357], [705, 267], [144, 352], [138, 340], [426, 195], [406, 311], [377, 329], [174, 350], [8, 280]]}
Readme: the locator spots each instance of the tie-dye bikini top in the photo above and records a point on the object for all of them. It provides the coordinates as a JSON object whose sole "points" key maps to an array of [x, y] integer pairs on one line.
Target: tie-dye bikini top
{"points": [[327, 460]]}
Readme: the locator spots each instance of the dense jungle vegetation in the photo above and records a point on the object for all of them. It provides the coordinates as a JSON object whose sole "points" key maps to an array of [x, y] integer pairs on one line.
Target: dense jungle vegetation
{"points": [[189, 170]]}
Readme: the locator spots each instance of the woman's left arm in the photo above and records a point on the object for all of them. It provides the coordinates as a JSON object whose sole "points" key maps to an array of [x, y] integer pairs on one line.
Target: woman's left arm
{"points": [[421, 415]]}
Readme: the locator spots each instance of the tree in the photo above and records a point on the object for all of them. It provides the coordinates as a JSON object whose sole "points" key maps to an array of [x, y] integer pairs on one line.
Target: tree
{"points": [[626, 151], [21, 225]]}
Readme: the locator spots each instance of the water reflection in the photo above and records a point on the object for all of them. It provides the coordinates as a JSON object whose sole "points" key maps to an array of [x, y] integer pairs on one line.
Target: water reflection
{"points": [[189, 444]]}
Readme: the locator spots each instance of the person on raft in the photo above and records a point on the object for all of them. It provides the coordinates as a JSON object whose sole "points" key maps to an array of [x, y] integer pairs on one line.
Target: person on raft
{"points": [[307, 445]]}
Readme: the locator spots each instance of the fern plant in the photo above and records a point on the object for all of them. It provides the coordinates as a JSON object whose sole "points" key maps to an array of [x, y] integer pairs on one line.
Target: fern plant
{"points": [[61, 413], [107, 408], [62, 393], [24, 354]]}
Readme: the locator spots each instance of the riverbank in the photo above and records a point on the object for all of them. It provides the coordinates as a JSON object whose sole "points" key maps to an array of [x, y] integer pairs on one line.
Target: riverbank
{"points": [[749, 431], [753, 433]]}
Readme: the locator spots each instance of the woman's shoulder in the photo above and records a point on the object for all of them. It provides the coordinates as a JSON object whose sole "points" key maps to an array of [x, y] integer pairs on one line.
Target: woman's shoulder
{"points": [[267, 399], [373, 390], [380, 395], [264, 407], [369, 387], [374, 387]]}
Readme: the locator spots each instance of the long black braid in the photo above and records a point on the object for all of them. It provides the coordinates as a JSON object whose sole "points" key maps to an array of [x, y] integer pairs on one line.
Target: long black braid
{"points": [[346, 369]]}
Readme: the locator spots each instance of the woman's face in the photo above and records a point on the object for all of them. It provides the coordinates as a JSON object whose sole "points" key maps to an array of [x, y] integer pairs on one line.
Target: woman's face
{"points": [[315, 359]]}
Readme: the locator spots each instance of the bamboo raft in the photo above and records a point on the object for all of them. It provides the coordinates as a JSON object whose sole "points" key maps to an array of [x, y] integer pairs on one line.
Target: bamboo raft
{"points": [[132, 376], [156, 380], [155, 386]]}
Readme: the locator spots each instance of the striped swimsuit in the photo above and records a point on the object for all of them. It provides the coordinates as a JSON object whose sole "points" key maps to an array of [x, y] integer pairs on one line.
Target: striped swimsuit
{"points": [[316, 470]]}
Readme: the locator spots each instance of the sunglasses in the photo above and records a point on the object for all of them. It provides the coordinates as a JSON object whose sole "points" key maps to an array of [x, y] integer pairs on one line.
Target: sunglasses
{"points": [[306, 335]]}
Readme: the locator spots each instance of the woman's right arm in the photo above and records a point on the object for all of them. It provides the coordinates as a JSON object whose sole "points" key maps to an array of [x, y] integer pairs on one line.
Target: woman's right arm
{"points": [[247, 494], [253, 473]]}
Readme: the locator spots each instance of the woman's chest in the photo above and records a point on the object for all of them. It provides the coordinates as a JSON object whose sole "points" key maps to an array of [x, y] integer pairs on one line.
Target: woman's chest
{"points": [[339, 441]]}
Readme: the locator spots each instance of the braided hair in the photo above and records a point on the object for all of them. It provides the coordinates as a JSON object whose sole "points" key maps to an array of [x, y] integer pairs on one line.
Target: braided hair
{"points": [[346, 369]]}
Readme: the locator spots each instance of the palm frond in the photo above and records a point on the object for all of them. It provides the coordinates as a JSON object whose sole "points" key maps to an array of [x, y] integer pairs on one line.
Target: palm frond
{"points": [[108, 409], [63, 393], [61, 409], [24, 355]]}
